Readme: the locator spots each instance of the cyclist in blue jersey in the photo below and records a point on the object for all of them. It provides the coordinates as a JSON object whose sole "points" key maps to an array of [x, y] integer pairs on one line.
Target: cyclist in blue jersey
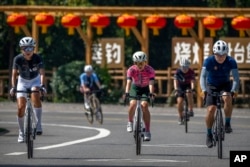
{"points": [[184, 81], [89, 81], [215, 76], [27, 73]]}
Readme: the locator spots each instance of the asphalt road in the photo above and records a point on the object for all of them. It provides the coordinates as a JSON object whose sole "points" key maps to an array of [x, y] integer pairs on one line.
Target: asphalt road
{"points": [[69, 140]]}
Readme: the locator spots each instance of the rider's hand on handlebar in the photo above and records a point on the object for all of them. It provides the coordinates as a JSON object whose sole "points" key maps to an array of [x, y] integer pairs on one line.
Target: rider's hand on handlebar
{"points": [[43, 89], [12, 91]]}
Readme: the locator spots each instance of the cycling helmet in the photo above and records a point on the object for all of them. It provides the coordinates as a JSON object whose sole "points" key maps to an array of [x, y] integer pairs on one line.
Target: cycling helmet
{"points": [[139, 56], [220, 47], [27, 41], [88, 68], [184, 62]]}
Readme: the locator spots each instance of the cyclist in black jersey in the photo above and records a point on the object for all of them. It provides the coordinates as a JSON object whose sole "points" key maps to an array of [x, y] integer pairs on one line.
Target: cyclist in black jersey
{"points": [[27, 73]]}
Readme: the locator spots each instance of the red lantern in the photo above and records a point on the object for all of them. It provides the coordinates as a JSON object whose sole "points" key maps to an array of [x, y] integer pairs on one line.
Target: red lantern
{"points": [[44, 20], [155, 22], [212, 23], [99, 21], [241, 23], [184, 22], [71, 21], [16, 20], [127, 21]]}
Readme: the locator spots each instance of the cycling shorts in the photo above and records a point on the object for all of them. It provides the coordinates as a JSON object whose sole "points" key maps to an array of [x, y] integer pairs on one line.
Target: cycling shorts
{"points": [[211, 100], [183, 89], [24, 84], [143, 91]]}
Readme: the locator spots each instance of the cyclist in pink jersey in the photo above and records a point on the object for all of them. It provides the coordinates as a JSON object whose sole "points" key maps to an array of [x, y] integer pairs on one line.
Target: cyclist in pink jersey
{"points": [[140, 80]]}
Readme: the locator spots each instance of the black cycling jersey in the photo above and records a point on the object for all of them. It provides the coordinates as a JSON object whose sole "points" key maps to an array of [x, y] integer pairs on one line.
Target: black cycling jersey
{"points": [[28, 69]]}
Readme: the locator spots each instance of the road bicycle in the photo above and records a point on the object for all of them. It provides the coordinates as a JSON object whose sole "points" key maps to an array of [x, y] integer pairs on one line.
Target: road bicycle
{"points": [[30, 122], [95, 107], [218, 128], [138, 123]]}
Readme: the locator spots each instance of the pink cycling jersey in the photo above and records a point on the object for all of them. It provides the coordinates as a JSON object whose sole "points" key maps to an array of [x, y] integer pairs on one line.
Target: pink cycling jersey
{"points": [[141, 78]]}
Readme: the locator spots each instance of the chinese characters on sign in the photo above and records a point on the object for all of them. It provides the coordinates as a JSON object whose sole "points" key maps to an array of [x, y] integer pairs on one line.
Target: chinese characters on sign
{"points": [[109, 52], [239, 48], [188, 48]]}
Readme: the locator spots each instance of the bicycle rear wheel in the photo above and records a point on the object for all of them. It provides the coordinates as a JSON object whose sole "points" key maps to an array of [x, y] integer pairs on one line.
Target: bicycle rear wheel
{"points": [[219, 130], [138, 136]]}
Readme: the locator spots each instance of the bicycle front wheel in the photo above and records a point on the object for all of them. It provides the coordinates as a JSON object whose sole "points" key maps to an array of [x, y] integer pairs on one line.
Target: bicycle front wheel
{"points": [[186, 115], [97, 109], [138, 137], [219, 131], [29, 135]]}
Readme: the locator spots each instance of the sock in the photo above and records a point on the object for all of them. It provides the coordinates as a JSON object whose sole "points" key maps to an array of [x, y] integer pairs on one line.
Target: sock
{"points": [[20, 121], [227, 121], [209, 131], [38, 112]]}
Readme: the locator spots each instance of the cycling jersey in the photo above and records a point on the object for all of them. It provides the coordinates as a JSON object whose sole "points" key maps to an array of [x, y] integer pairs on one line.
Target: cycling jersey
{"points": [[216, 74], [28, 69], [184, 78], [141, 78], [88, 81]]}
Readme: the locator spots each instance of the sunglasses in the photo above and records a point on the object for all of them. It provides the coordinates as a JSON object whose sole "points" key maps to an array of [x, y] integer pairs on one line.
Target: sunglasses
{"points": [[28, 49], [139, 63], [220, 55]]}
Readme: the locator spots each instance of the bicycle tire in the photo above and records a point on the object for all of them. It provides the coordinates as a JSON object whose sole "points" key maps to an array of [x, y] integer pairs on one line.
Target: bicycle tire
{"points": [[98, 110], [219, 130], [29, 136], [186, 115], [89, 116], [138, 133]]}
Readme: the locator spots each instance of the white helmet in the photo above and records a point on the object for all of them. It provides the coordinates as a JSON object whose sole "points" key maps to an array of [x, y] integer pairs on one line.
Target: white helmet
{"points": [[88, 68], [139, 56], [184, 62], [27, 41], [220, 47]]}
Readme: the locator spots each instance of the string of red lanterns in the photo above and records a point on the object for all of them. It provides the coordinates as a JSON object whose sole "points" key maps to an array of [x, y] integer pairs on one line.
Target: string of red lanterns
{"points": [[126, 21]]}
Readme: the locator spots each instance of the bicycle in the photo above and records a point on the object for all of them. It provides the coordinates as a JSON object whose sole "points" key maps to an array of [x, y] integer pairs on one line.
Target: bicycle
{"points": [[138, 126], [95, 108], [185, 109], [218, 126], [30, 122]]}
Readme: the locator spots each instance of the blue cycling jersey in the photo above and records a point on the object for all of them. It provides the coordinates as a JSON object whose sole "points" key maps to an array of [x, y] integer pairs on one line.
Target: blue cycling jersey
{"points": [[219, 74], [88, 81]]}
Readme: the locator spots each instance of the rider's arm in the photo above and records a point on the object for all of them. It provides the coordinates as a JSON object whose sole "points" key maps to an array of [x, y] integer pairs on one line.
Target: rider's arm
{"points": [[13, 78], [96, 80], [128, 85], [235, 86], [203, 78], [151, 86], [175, 84], [42, 76]]}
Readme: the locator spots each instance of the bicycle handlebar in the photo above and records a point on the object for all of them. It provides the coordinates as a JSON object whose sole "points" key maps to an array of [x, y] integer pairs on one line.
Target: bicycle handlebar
{"points": [[138, 97], [28, 91]]}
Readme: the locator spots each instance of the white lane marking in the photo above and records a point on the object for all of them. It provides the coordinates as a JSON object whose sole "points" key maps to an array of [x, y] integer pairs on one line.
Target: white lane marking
{"points": [[134, 160], [176, 145], [102, 133], [16, 153]]}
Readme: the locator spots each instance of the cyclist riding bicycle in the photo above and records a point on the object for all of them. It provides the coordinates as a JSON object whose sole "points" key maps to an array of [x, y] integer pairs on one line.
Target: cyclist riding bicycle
{"points": [[140, 80], [29, 68], [184, 80], [215, 76], [89, 81]]}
